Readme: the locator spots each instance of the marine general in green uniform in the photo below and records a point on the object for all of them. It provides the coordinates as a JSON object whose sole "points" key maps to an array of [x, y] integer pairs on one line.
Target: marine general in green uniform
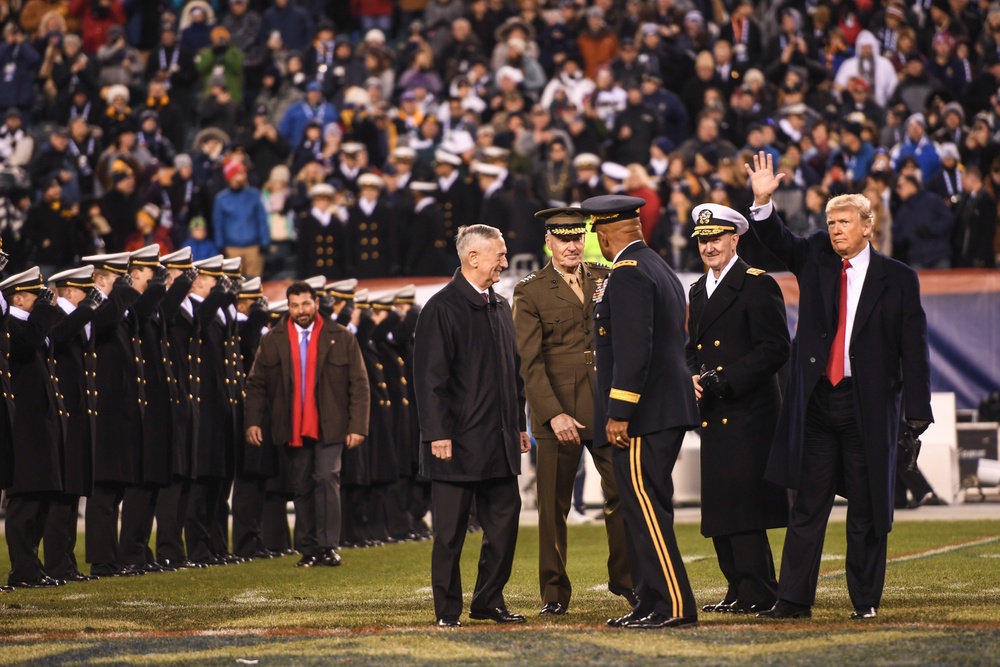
{"points": [[554, 315]]}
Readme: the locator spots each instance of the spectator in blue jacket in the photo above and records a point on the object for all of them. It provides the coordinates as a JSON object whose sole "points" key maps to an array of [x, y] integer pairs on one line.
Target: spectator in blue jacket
{"points": [[294, 23], [239, 220], [858, 154], [300, 114], [919, 145], [19, 63], [921, 228]]}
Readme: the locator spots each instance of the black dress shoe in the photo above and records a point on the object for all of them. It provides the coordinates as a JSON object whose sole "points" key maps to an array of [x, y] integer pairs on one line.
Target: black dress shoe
{"points": [[79, 577], [626, 593], [783, 609], [330, 558], [6, 589], [449, 622], [41, 582], [113, 570], [722, 606], [498, 614], [553, 609], [308, 561], [656, 620], [863, 613], [620, 621], [929, 498], [741, 607], [287, 551], [262, 554]]}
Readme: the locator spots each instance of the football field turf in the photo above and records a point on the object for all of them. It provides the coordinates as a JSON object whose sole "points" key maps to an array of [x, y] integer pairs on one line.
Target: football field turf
{"points": [[941, 606]]}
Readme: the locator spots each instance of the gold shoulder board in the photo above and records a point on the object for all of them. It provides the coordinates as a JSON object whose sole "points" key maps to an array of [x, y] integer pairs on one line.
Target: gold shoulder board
{"points": [[755, 272], [625, 262]]}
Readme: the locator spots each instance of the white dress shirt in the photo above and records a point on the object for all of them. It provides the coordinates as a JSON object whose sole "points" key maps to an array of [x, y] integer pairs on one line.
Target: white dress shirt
{"points": [[711, 282]]}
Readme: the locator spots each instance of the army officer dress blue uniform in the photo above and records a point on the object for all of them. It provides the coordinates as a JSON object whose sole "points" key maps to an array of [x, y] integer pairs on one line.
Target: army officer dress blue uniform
{"points": [[738, 340], [643, 404]]}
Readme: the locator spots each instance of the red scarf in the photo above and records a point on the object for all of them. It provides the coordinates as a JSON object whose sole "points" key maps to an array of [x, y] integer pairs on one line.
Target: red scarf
{"points": [[305, 418]]}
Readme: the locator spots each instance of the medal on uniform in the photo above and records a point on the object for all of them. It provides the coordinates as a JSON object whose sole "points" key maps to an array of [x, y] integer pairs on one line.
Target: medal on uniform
{"points": [[599, 290]]}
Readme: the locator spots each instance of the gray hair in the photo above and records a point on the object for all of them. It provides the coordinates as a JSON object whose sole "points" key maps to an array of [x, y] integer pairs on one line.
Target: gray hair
{"points": [[472, 235]]}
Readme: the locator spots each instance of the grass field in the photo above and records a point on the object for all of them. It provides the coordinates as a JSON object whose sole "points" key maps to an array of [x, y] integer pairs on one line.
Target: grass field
{"points": [[941, 606]]}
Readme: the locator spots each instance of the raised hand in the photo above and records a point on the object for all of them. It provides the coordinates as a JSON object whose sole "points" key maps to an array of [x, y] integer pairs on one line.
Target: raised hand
{"points": [[124, 280], [46, 296], [93, 299], [763, 181], [4, 258], [190, 274]]}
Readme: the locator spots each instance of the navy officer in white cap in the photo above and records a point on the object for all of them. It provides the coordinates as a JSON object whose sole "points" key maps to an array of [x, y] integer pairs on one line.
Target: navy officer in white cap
{"points": [[738, 339]]}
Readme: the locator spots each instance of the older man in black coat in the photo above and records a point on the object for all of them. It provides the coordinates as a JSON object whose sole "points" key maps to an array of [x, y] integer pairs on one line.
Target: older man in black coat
{"points": [[738, 339], [470, 398], [859, 365]]}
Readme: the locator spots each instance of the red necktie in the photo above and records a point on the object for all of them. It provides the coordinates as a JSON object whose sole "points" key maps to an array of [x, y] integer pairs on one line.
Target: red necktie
{"points": [[835, 366]]}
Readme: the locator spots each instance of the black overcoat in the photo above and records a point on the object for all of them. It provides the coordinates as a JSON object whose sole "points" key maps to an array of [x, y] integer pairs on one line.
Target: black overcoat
{"points": [[888, 355], [6, 405], [468, 385], [375, 461], [39, 422], [119, 388], [184, 348], [740, 332], [214, 452], [76, 368], [642, 377]]}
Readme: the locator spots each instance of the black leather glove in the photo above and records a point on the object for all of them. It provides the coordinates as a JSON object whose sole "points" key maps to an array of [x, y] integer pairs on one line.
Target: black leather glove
{"points": [[46, 296], [93, 299], [124, 280], [159, 276], [260, 304], [236, 285], [191, 274], [716, 382], [4, 258], [224, 284], [917, 426]]}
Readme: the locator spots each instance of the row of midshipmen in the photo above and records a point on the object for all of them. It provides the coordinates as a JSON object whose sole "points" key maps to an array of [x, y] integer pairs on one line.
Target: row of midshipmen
{"points": [[125, 386]]}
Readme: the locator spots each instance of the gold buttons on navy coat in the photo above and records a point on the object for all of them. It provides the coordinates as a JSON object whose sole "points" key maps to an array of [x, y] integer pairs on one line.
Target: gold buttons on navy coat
{"points": [[717, 343]]}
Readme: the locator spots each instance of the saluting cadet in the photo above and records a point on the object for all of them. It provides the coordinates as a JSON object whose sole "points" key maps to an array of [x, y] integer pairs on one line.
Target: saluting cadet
{"points": [[39, 424], [120, 394], [738, 340], [153, 457], [254, 465], [643, 405], [182, 351], [375, 464], [341, 297], [278, 490], [210, 295], [588, 179], [7, 400], [553, 316], [75, 366]]}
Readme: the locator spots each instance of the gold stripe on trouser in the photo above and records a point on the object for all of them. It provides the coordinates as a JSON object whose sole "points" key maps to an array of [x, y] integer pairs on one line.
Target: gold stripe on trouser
{"points": [[654, 527]]}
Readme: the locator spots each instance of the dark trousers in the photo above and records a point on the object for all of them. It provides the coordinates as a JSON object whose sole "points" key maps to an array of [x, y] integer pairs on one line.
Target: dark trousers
{"points": [[642, 471], [498, 503], [248, 513], [832, 450], [171, 510], [101, 524], [138, 512], [555, 477], [59, 541], [24, 526], [399, 523], [354, 515], [219, 508], [315, 470], [274, 522], [199, 524], [746, 561]]}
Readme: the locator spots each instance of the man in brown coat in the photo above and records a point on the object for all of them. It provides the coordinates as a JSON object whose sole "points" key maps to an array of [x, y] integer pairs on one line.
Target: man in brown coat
{"points": [[310, 375], [553, 317]]}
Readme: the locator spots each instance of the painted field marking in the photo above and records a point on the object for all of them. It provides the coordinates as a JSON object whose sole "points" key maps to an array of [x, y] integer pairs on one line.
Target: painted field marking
{"points": [[919, 555]]}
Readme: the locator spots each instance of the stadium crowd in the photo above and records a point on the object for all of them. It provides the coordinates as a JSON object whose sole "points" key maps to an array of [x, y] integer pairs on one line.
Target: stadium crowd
{"points": [[210, 124]]}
